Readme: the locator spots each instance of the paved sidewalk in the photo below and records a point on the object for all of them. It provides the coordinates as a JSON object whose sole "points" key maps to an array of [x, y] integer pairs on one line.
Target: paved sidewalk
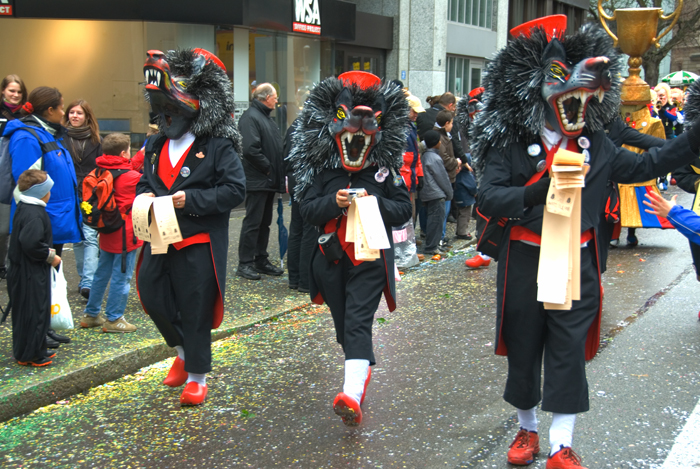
{"points": [[94, 358]]}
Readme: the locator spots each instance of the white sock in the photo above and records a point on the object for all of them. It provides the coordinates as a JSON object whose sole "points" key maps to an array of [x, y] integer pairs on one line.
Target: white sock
{"points": [[528, 419], [199, 378], [561, 433], [484, 256], [355, 376], [180, 352]]}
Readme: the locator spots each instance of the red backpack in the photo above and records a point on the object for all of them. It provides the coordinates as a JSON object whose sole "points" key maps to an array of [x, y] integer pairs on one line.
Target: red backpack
{"points": [[98, 206]]}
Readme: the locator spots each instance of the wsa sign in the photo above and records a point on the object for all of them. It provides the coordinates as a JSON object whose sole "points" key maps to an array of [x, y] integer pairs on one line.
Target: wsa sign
{"points": [[307, 17]]}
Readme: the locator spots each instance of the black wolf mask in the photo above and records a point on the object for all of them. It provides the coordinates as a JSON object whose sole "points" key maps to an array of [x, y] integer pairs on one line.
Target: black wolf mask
{"points": [[566, 81], [189, 90], [349, 124]]}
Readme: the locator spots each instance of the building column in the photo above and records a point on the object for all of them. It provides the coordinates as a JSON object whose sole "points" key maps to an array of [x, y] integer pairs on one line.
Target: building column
{"points": [[427, 45], [241, 87]]}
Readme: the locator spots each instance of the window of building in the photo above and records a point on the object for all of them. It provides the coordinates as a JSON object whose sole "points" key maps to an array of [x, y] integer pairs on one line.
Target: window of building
{"points": [[463, 74], [472, 12]]}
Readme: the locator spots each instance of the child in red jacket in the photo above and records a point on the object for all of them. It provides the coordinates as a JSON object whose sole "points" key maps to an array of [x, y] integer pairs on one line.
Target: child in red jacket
{"points": [[110, 268]]}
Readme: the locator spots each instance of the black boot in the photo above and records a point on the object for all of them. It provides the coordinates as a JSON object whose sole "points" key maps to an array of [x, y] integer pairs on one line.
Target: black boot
{"points": [[61, 339]]}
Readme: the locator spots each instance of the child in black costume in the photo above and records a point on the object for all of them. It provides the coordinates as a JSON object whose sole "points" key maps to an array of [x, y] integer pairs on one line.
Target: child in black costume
{"points": [[29, 276]]}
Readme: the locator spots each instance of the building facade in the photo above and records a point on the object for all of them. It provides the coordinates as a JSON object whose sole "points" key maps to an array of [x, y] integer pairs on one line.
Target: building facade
{"points": [[96, 50]]}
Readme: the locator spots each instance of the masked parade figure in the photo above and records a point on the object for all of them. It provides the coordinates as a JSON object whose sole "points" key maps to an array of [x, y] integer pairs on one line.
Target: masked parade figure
{"points": [[546, 91], [194, 158], [351, 134]]}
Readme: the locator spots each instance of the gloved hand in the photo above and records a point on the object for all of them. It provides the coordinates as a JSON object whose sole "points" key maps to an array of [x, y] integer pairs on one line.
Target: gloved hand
{"points": [[420, 183], [536, 194]]}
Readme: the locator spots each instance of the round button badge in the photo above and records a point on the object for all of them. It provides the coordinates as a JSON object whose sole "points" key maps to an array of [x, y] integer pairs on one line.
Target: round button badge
{"points": [[185, 172]]}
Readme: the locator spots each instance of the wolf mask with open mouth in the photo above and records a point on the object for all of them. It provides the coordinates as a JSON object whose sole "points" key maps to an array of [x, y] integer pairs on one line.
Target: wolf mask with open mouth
{"points": [[349, 122], [189, 90], [543, 77]]}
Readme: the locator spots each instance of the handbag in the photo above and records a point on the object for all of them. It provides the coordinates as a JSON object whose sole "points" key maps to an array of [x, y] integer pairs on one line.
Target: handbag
{"points": [[61, 316]]}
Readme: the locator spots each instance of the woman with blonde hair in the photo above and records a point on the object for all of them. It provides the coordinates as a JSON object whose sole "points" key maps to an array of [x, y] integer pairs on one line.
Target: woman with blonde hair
{"points": [[84, 144]]}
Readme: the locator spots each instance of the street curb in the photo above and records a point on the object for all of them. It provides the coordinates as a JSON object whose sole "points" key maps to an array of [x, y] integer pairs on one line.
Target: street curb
{"points": [[79, 381]]}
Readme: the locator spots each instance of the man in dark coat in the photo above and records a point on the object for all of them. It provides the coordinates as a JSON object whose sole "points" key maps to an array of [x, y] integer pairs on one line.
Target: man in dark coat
{"points": [[264, 171], [515, 139], [29, 276], [351, 134], [194, 159]]}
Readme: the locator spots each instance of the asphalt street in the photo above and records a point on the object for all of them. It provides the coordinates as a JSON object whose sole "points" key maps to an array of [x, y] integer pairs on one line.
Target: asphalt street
{"points": [[435, 397]]}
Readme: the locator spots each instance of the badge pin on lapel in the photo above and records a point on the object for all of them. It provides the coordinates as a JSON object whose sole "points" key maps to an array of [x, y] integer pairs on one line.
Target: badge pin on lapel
{"points": [[185, 172], [200, 155], [381, 174], [153, 158], [584, 143], [534, 150]]}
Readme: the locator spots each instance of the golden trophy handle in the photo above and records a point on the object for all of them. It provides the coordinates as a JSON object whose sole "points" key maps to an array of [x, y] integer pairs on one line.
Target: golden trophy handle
{"points": [[604, 16], [675, 15]]}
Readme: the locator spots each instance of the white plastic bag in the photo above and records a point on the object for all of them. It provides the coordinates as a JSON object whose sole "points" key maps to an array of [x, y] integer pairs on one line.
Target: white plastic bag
{"points": [[61, 316], [405, 245]]}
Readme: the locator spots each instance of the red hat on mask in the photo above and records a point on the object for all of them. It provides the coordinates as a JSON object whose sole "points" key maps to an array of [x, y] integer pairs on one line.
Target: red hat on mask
{"points": [[553, 25]]}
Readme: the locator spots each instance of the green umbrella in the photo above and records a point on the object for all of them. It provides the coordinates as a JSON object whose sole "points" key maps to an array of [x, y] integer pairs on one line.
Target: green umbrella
{"points": [[680, 78]]}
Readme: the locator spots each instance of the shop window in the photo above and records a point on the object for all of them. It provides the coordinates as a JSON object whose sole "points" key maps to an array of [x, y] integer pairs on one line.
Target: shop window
{"points": [[471, 12], [291, 63]]}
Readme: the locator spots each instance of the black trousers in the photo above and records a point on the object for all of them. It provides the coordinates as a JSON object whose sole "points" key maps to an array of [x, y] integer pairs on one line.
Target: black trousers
{"points": [[435, 210], [695, 252], [352, 293], [605, 232], [302, 240], [255, 230], [532, 334], [178, 291]]}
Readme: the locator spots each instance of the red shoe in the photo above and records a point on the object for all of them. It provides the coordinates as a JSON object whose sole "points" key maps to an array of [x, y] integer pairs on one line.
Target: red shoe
{"points": [[44, 361], [477, 261], [524, 448], [177, 374], [193, 394], [673, 181], [364, 391], [565, 458], [348, 409]]}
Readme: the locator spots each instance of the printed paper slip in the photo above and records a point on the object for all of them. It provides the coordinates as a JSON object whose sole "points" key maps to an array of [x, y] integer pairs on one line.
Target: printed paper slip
{"points": [[372, 223], [163, 228]]}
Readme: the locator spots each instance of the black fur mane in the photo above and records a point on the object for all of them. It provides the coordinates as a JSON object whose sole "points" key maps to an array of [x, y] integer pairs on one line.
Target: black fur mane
{"points": [[314, 148], [514, 110]]}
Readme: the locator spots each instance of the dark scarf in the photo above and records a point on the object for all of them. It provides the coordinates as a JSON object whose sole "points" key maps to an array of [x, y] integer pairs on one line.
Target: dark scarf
{"points": [[79, 137], [79, 133]]}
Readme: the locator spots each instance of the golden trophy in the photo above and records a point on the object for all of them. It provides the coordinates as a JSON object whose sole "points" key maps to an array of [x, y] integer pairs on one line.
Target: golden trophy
{"points": [[636, 32]]}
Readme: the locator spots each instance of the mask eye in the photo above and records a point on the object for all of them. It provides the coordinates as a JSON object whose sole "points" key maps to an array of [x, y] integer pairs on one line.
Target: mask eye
{"points": [[556, 70], [378, 117], [182, 84], [341, 114]]}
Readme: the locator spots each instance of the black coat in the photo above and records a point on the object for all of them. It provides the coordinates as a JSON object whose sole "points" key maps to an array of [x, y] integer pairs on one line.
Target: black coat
{"points": [[319, 206], [502, 187], [263, 151], [426, 121], [29, 280], [216, 185], [87, 162], [686, 177], [622, 134]]}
